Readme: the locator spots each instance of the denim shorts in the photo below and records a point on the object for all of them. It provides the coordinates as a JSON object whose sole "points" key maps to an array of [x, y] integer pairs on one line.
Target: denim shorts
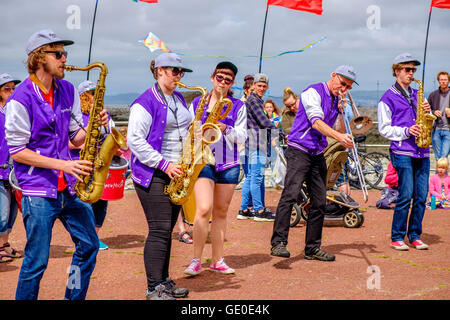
{"points": [[229, 176]]}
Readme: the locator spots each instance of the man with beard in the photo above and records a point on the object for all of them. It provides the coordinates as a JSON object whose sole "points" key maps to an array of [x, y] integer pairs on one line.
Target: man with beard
{"points": [[42, 117]]}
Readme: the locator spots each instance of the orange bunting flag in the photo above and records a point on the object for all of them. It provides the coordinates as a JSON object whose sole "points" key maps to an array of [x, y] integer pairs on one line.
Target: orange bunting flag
{"points": [[314, 6], [443, 4]]}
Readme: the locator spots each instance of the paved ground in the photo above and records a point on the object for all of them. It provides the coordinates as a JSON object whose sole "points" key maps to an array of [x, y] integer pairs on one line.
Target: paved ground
{"points": [[119, 274]]}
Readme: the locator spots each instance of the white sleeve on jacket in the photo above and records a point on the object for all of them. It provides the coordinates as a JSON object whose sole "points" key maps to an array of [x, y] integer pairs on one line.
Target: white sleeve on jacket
{"points": [[238, 133], [312, 102], [385, 127], [139, 124], [76, 111], [17, 126]]}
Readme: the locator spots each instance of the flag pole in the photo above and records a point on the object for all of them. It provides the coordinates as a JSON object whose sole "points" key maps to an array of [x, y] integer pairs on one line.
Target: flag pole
{"points": [[92, 34], [426, 43], [262, 42]]}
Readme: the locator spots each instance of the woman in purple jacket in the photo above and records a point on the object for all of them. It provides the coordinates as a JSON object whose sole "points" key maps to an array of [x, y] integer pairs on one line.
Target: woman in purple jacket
{"points": [[159, 120], [216, 183]]}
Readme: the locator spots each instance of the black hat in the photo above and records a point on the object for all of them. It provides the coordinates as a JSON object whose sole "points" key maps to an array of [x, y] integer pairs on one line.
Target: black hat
{"points": [[227, 65]]}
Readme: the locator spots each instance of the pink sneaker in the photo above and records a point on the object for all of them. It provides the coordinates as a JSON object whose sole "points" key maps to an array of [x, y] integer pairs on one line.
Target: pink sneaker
{"points": [[419, 245], [194, 268], [221, 266], [399, 245]]}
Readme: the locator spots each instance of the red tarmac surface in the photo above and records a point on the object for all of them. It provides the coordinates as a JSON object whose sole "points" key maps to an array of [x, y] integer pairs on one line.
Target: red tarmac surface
{"points": [[119, 273]]}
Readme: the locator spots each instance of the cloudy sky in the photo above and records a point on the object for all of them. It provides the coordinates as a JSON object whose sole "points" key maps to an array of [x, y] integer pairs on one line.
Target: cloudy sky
{"points": [[354, 35]]}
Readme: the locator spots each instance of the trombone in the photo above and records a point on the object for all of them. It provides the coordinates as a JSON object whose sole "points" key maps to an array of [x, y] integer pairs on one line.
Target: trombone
{"points": [[354, 150], [359, 124]]}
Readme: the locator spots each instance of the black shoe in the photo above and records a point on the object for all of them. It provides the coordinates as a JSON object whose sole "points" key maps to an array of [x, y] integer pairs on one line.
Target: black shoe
{"points": [[172, 289], [321, 255], [245, 214], [159, 293], [280, 251], [266, 215]]}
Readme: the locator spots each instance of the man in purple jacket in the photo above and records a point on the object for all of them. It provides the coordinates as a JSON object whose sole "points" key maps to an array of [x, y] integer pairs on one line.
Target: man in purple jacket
{"points": [[318, 109], [397, 112], [42, 117]]}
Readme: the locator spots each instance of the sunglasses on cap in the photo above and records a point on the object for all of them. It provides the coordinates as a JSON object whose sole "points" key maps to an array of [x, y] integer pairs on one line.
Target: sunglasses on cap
{"points": [[409, 69], [221, 78], [58, 54]]}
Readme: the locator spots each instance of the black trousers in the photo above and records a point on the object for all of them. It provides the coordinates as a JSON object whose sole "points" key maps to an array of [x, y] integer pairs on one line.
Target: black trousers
{"points": [[161, 215], [302, 167]]}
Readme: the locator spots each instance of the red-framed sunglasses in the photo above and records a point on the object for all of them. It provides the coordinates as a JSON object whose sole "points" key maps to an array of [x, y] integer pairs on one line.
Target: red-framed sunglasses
{"points": [[221, 78]]}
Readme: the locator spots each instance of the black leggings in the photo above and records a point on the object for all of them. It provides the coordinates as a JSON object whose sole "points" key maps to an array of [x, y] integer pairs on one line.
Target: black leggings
{"points": [[161, 217]]}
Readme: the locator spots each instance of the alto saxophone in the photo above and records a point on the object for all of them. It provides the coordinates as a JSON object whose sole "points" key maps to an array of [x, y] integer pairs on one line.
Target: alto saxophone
{"points": [[91, 189], [195, 154], [423, 119]]}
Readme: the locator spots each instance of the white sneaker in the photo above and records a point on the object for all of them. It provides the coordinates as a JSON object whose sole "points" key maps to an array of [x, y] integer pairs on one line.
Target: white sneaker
{"points": [[399, 245], [419, 245]]}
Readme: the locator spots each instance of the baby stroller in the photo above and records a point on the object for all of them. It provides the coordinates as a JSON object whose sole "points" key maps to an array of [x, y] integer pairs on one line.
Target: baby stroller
{"points": [[339, 205]]}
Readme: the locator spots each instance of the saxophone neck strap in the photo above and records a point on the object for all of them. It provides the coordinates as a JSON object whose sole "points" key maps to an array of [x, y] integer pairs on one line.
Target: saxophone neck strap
{"points": [[405, 95], [174, 112]]}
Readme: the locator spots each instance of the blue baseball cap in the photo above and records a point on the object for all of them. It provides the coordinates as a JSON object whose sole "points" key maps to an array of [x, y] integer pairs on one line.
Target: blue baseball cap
{"points": [[170, 59], [43, 37], [347, 72]]}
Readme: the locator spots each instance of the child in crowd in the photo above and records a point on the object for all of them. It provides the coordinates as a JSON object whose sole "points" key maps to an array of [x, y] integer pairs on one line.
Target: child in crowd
{"points": [[440, 185]]}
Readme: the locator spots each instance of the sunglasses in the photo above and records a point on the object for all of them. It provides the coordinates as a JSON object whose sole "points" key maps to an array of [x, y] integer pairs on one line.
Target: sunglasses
{"points": [[58, 54], [343, 84], [409, 69], [177, 71], [9, 89], [221, 78]]}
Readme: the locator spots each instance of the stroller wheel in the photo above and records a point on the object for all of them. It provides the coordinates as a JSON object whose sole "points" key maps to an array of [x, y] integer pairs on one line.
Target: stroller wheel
{"points": [[295, 215], [353, 219]]}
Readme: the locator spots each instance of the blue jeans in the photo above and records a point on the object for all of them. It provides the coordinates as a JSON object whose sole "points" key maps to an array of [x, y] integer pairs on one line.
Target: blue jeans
{"points": [[39, 215], [99, 208], [413, 174], [441, 143], [8, 208], [253, 189]]}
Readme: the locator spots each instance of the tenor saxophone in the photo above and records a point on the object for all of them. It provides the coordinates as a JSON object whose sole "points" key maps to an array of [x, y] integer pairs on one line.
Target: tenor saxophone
{"points": [[196, 152], [424, 120], [91, 188]]}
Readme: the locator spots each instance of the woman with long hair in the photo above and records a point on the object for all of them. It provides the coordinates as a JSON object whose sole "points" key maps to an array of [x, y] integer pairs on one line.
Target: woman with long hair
{"points": [[216, 183], [272, 112], [159, 120]]}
